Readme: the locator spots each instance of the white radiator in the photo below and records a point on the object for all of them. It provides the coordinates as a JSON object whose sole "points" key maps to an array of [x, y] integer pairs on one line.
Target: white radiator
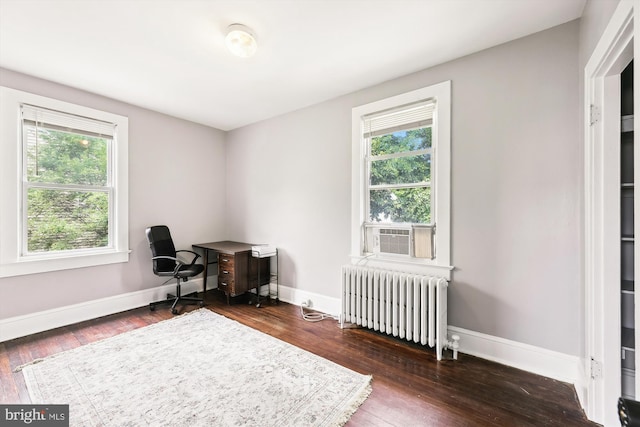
{"points": [[405, 305]]}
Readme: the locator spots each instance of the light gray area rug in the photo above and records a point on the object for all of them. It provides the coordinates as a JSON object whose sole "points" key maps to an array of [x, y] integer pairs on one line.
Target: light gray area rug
{"points": [[198, 369]]}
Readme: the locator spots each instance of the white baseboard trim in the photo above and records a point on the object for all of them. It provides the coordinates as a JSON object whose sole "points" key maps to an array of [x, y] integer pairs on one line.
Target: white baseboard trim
{"points": [[322, 303], [548, 363], [533, 359], [20, 326]]}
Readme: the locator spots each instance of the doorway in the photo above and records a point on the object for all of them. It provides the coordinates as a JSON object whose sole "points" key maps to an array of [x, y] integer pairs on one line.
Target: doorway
{"points": [[606, 276]]}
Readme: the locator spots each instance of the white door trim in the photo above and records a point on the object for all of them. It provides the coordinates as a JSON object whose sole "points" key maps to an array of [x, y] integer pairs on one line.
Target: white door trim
{"points": [[601, 211]]}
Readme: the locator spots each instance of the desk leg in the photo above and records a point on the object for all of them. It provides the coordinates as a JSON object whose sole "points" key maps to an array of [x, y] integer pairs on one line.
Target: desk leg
{"points": [[258, 284], [205, 259]]}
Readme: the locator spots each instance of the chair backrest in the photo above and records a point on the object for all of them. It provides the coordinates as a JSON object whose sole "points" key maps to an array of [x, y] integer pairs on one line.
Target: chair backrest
{"points": [[161, 244]]}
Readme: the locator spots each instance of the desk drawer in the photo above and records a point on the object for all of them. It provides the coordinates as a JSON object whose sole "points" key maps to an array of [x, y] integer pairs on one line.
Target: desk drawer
{"points": [[224, 287], [227, 285], [233, 272], [225, 276], [225, 271], [226, 261]]}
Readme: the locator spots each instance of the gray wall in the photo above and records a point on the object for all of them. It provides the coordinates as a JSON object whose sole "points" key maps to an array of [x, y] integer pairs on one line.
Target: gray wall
{"points": [[516, 169], [167, 157]]}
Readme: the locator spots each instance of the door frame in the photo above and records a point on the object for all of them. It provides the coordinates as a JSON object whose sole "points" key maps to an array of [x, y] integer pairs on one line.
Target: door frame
{"points": [[602, 214]]}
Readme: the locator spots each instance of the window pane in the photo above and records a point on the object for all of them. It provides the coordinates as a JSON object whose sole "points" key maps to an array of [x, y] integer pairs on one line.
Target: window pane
{"points": [[412, 205], [58, 157], [65, 220], [402, 170], [401, 141]]}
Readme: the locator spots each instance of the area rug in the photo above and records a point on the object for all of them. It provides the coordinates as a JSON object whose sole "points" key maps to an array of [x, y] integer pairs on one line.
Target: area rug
{"points": [[198, 369]]}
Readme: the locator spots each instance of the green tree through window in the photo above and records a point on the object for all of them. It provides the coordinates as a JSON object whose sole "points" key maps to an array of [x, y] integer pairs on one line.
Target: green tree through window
{"points": [[67, 193], [400, 177]]}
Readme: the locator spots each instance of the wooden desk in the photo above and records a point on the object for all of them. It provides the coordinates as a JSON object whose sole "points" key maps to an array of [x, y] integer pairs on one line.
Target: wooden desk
{"points": [[237, 269]]}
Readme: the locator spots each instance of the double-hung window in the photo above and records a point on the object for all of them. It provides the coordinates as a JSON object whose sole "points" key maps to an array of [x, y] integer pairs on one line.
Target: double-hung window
{"points": [[398, 155], [401, 153], [67, 186], [65, 204]]}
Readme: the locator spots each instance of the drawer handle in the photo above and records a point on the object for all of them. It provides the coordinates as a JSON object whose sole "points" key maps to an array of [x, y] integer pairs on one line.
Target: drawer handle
{"points": [[224, 284], [225, 272], [225, 260]]}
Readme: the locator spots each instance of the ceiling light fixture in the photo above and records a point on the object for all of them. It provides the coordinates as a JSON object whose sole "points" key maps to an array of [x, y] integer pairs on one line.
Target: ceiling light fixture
{"points": [[241, 41]]}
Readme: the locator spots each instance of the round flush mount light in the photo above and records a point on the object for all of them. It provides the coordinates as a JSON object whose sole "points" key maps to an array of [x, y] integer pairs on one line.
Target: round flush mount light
{"points": [[241, 41]]}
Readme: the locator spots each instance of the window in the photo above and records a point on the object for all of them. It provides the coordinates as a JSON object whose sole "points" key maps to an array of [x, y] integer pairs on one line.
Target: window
{"points": [[65, 195], [401, 153], [66, 185], [398, 152]]}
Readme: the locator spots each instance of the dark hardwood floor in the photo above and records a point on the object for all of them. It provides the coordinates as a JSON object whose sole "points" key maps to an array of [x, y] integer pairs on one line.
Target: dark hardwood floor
{"points": [[410, 388]]}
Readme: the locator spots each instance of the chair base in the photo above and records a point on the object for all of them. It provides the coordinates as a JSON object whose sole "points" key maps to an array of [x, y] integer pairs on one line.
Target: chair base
{"points": [[175, 300]]}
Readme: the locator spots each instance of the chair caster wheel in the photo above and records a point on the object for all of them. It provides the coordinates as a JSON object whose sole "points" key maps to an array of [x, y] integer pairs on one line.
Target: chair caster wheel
{"points": [[152, 307], [174, 311], [201, 304]]}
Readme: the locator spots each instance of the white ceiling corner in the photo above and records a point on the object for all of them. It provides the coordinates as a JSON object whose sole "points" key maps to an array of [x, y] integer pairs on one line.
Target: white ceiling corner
{"points": [[169, 55]]}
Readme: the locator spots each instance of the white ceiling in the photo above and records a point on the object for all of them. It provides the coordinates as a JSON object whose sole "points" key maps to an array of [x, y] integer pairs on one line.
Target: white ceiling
{"points": [[169, 55]]}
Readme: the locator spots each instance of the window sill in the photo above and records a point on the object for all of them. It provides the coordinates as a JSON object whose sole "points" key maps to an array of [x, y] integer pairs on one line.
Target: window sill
{"points": [[44, 265], [410, 265]]}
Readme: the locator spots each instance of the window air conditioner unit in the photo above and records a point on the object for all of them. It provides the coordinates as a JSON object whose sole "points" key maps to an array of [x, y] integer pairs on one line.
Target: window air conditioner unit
{"points": [[414, 240], [392, 241]]}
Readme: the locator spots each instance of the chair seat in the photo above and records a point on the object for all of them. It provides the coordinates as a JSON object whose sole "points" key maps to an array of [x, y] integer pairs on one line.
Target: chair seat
{"points": [[184, 271]]}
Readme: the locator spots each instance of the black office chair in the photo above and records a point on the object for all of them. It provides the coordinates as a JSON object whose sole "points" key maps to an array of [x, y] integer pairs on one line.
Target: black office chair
{"points": [[165, 264]]}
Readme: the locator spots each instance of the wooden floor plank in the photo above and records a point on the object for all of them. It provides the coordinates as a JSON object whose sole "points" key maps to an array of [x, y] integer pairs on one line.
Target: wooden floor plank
{"points": [[410, 387]]}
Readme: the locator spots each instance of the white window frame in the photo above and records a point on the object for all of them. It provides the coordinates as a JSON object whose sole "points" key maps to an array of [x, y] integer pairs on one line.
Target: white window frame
{"points": [[441, 182], [12, 260]]}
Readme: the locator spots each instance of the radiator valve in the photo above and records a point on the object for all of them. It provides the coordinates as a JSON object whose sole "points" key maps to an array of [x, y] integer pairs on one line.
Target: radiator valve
{"points": [[453, 345]]}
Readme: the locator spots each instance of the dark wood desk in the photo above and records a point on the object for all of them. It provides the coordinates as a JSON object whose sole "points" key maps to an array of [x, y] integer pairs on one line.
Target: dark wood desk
{"points": [[237, 270]]}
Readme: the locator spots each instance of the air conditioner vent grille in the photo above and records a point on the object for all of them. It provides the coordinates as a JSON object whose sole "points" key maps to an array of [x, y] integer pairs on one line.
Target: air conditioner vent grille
{"points": [[395, 241], [394, 231]]}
